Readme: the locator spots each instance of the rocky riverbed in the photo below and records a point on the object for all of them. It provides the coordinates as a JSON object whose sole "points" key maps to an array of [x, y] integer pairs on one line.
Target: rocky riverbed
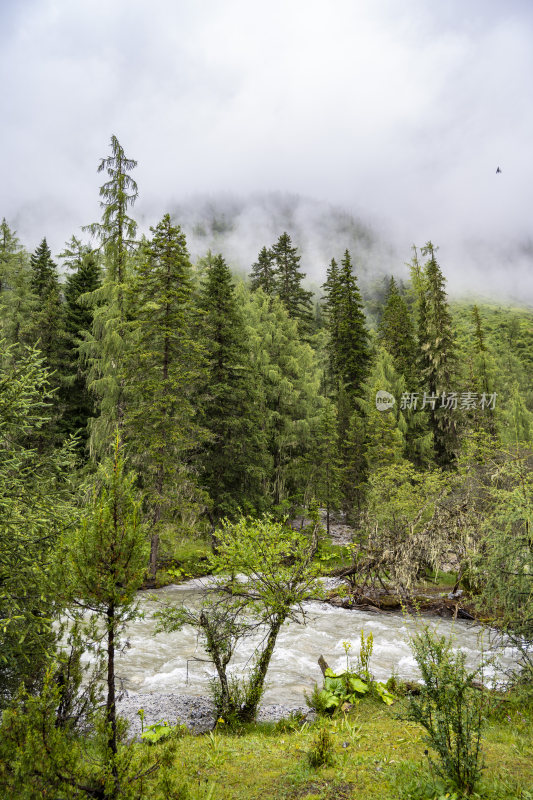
{"points": [[197, 713]]}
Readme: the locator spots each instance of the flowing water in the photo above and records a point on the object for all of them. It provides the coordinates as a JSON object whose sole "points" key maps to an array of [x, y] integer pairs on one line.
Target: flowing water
{"points": [[171, 663]]}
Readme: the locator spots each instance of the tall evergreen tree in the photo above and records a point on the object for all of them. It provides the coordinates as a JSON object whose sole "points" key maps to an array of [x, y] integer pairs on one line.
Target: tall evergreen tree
{"points": [[436, 343], [47, 326], [78, 402], [332, 315], [105, 351], [397, 335], [263, 274], [289, 279], [233, 463], [163, 369], [353, 351]]}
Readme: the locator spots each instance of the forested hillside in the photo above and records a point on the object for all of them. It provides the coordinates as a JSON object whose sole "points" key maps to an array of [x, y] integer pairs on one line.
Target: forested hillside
{"points": [[145, 398]]}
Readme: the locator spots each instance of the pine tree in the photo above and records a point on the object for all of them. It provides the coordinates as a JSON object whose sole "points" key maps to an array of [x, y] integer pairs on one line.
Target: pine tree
{"points": [[263, 274], [163, 368], [289, 279], [233, 463]]}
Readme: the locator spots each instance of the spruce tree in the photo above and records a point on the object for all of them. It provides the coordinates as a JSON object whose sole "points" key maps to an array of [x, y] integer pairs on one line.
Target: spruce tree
{"points": [[164, 366], [289, 279], [263, 274], [352, 348], [233, 462]]}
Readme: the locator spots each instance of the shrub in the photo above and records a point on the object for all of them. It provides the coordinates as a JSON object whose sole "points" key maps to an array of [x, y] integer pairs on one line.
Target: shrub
{"points": [[450, 709], [321, 752]]}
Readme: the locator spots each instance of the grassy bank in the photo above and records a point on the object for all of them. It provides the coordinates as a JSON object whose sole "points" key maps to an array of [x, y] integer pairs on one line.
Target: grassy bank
{"points": [[376, 755]]}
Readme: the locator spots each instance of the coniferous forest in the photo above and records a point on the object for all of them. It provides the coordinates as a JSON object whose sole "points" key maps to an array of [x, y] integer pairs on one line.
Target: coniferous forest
{"points": [[163, 419]]}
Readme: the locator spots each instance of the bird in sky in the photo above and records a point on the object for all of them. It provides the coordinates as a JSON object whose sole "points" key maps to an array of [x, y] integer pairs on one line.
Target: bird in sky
{"points": [[498, 170]]}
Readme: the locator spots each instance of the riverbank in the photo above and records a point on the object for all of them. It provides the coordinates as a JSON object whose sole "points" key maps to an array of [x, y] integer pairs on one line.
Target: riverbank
{"points": [[375, 754], [196, 713]]}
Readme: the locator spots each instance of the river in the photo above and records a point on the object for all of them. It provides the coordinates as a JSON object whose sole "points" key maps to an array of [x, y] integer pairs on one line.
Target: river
{"points": [[168, 663]]}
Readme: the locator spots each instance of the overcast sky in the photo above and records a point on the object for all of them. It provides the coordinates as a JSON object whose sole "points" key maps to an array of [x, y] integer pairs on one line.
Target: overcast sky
{"points": [[397, 110]]}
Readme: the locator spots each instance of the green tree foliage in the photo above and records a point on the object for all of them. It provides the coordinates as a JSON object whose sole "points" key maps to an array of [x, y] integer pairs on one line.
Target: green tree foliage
{"points": [[406, 530], [265, 572], [263, 274], [288, 380], [163, 368], [35, 492], [105, 560], [385, 430], [289, 287], [397, 335], [322, 464], [78, 403], [48, 320], [437, 353], [104, 351], [233, 461], [351, 357], [332, 317], [504, 565], [16, 299], [451, 709]]}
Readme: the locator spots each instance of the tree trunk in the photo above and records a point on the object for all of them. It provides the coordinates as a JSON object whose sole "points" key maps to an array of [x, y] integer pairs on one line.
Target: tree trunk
{"points": [[255, 688], [111, 709]]}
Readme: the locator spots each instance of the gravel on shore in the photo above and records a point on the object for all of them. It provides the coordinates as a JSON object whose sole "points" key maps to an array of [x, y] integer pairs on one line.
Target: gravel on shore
{"points": [[197, 713]]}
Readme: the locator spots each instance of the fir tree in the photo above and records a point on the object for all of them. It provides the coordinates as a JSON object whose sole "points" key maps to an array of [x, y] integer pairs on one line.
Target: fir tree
{"points": [[163, 369], [263, 274], [289, 279]]}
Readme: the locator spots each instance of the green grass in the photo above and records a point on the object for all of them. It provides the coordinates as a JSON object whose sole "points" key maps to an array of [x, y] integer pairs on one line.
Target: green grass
{"points": [[377, 755]]}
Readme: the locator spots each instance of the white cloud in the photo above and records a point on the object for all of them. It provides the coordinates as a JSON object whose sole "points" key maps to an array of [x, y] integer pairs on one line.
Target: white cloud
{"points": [[398, 111]]}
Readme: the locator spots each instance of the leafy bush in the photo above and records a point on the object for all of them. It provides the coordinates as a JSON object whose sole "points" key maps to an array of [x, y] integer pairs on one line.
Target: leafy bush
{"points": [[349, 686], [450, 709]]}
